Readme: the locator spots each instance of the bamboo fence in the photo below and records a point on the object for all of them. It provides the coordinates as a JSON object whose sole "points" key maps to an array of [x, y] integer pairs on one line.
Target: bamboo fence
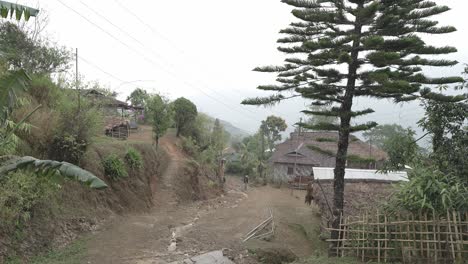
{"points": [[409, 238]]}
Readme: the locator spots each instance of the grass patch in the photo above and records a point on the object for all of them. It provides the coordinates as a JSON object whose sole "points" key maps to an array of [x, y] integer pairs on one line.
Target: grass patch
{"points": [[300, 229], [72, 254]]}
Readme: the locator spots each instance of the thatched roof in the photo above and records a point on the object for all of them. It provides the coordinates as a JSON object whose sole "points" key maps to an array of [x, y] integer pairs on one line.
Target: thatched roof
{"points": [[108, 101], [309, 148], [111, 122]]}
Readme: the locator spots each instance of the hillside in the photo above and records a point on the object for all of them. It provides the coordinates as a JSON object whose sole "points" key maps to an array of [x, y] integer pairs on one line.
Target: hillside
{"points": [[234, 131]]}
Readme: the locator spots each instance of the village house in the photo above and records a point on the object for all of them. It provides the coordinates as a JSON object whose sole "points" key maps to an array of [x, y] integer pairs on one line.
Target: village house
{"points": [[297, 156], [119, 117]]}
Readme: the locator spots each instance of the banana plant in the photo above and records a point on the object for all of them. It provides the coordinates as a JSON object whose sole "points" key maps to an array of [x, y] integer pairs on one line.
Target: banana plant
{"points": [[50, 168], [11, 84], [10, 9]]}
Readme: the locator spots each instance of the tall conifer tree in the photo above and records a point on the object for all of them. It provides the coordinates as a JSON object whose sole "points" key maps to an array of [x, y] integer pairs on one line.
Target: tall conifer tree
{"points": [[344, 49]]}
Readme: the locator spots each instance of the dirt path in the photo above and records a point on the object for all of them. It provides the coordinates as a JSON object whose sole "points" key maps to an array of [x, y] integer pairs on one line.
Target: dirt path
{"points": [[173, 232]]}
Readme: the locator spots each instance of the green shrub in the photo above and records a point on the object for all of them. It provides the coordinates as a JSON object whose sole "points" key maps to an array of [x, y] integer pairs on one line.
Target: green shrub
{"points": [[190, 146], [428, 190], [234, 167], [19, 193], [83, 124], [134, 159], [67, 148], [114, 167]]}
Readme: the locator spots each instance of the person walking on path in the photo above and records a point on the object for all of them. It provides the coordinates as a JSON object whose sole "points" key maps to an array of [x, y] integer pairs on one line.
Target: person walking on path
{"points": [[246, 182]]}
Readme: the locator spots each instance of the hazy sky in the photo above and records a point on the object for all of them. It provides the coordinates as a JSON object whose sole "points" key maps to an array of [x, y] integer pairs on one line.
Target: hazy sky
{"points": [[204, 50]]}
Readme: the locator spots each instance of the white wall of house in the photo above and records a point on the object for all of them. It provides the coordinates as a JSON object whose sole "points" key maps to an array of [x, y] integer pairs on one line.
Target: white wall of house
{"points": [[321, 173]]}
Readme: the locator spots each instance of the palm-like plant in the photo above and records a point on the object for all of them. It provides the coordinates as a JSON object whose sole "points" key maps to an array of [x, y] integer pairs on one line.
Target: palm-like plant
{"points": [[10, 9], [11, 85], [50, 168]]}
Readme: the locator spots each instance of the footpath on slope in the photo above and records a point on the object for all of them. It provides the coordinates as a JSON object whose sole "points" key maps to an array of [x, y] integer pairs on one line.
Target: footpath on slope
{"points": [[172, 231]]}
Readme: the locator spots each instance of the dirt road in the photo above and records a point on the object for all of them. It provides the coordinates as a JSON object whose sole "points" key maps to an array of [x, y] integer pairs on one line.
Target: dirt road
{"points": [[173, 232]]}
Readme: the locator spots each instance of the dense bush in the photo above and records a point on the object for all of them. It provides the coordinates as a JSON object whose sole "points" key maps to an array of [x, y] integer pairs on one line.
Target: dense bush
{"points": [[430, 190], [234, 167], [114, 167], [67, 148], [77, 125], [134, 159], [19, 193], [189, 145]]}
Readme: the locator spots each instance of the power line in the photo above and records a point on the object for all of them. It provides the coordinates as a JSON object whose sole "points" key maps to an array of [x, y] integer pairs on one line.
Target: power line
{"points": [[100, 69], [151, 61], [110, 22], [152, 29], [143, 45], [126, 9]]}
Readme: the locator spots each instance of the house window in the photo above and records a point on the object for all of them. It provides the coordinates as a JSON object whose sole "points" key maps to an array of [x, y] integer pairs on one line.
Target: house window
{"points": [[290, 170]]}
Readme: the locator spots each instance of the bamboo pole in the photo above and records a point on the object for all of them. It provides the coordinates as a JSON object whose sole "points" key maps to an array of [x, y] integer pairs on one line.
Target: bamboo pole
{"points": [[385, 241], [436, 230], [459, 248], [340, 232], [378, 236], [344, 235], [450, 235]]}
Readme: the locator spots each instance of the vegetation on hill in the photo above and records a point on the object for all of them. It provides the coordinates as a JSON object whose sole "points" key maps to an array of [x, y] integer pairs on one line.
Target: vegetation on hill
{"points": [[255, 150]]}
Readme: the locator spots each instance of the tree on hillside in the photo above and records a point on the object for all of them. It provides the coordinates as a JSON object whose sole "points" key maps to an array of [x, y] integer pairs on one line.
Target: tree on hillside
{"points": [[271, 128], [398, 142], [344, 49], [219, 138], [161, 115], [185, 113], [14, 81], [38, 56], [138, 97]]}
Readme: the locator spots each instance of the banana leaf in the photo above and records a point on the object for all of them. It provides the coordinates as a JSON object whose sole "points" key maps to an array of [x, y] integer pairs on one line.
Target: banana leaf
{"points": [[19, 10], [50, 168]]}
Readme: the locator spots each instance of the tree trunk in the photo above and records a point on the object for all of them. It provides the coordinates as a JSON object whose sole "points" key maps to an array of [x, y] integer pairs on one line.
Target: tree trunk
{"points": [[343, 138], [157, 141]]}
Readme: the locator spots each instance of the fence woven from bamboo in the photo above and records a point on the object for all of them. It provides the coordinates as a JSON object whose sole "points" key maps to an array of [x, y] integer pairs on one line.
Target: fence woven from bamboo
{"points": [[409, 238]]}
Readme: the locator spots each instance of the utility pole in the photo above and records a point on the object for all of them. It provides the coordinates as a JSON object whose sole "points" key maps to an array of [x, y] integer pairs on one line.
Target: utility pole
{"points": [[370, 150], [76, 81], [262, 156], [300, 128]]}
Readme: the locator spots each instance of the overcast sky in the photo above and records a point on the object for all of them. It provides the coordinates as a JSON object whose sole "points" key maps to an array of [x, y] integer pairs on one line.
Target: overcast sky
{"points": [[205, 50]]}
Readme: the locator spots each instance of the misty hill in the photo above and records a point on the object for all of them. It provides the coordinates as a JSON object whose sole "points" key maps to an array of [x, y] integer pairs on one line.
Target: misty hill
{"points": [[234, 131]]}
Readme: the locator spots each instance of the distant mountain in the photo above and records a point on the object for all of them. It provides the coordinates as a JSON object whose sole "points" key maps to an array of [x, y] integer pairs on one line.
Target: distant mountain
{"points": [[235, 132]]}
